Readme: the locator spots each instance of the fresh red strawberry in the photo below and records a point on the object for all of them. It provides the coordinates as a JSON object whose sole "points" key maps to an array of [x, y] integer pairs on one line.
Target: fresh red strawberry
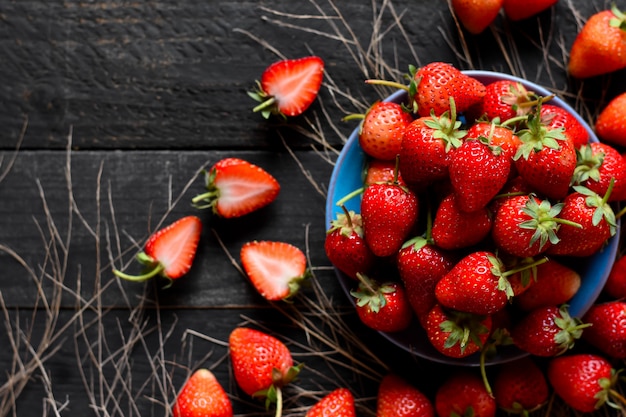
{"points": [[170, 251], [525, 226], [288, 87], [523, 9], [420, 266], [389, 212], [477, 172], [345, 246], [546, 159], [497, 136], [615, 285], [454, 228], [274, 268], [598, 163], [555, 283], [382, 306], [600, 46], [338, 403], [202, 396], [505, 99], [464, 394], [608, 329], [476, 16], [520, 387], [457, 334], [378, 171], [398, 398], [381, 132], [262, 364], [585, 382], [438, 82], [236, 187], [595, 217], [611, 123], [476, 284], [547, 331], [555, 117], [426, 149]]}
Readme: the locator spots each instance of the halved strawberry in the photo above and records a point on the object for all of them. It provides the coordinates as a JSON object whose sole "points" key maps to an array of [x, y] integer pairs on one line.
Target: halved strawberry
{"points": [[169, 251], [289, 87], [236, 187], [274, 268]]}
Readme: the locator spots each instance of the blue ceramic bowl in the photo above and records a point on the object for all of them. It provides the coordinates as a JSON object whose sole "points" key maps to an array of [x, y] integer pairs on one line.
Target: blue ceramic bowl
{"points": [[347, 176]]}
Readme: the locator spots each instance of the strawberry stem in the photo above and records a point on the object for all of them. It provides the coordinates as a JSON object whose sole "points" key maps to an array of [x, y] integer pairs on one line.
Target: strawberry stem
{"points": [[279, 402], [140, 278], [349, 196], [265, 104], [353, 116], [387, 83], [525, 267], [620, 213]]}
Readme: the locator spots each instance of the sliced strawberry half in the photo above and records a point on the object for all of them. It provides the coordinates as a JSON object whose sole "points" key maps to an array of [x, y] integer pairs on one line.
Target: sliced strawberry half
{"points": [[170, 251], [289, 87], [274, 268], [236, 187]]}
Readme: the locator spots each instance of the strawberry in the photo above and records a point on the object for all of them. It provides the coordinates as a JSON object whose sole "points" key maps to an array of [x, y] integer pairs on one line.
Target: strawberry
{"points": [[595, 221], [477, 172], [345, 246], [476, 16], [607, 331], [420, 266], [597, 164], [585, 382], [497, 135], [262, 364], [456, 334], [382, 306], [337, 403], [520, 387], [202, 396], [611, 123], [554, 284], [439, 82], [275, 269], [381, 132], [555, 117], [505, 99], [381, 171], [523, 9], [398, 398], [546, 159], [454, 228], [476, 284], [600, 46], [389, 212], [288, 87], [464, 394], [170, 251], [615, 285], [236, 187], [547, 331]]}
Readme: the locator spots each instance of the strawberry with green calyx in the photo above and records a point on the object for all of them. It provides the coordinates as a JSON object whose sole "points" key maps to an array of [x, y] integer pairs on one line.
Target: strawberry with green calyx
{"points": [[427, 146], [607, 332], [236, 187], [554, 284], [337, 403], [202, 396], [555, 117], [498, 136], [454, 228], [599, 48], [262, 365], [464, 394], [506, 99], [520, 387], [546, 159], [345, 246], [398, 398], [585, 382], [597, 164], [275, 269], [596, 217], [168, 252], [611, 122], [457, 334], [289, 87], [476, 16], [547, 331], [382, 306], [526, 226]]}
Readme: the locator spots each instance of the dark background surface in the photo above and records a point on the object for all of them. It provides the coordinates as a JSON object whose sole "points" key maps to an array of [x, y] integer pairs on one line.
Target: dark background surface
{"points": [[116, 106]]}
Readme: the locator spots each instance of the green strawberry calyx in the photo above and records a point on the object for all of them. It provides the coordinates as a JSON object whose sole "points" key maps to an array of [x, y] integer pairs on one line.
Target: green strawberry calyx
{"points": [[537, 136], [619, 21], [603, 210], [273, 393], [463, 328], [588, 165], [446, 127], [347, 222], [571, 329], [371, 294], [544, 220]]}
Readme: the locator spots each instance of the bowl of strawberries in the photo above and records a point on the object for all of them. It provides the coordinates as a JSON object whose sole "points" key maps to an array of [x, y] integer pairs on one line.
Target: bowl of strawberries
{"points": [[467, 204]]}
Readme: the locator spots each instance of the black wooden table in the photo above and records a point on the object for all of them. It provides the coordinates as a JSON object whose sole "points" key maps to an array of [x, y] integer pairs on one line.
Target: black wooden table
{"points": [[110, 110]]}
